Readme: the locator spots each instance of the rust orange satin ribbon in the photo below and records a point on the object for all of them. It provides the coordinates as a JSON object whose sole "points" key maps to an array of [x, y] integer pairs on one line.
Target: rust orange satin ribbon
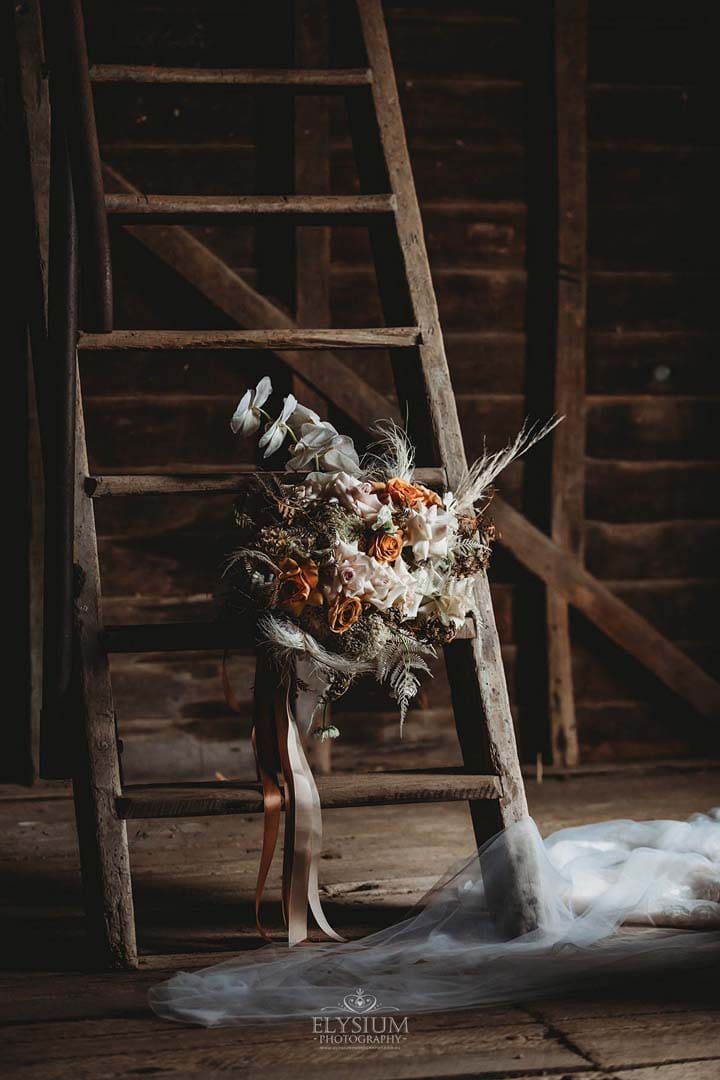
{"points": [[280, 758]]}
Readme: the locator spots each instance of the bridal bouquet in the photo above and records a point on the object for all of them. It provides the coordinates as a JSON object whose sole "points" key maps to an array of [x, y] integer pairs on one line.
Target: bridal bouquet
{"points": [[357, 567]]}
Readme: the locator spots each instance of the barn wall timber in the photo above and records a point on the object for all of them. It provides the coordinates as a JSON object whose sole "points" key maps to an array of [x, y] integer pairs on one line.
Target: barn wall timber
{"points": [[465, 73]]}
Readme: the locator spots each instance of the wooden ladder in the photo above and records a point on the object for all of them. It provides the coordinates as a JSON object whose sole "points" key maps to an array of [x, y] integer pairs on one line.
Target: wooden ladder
{"points": [[491, 780]]}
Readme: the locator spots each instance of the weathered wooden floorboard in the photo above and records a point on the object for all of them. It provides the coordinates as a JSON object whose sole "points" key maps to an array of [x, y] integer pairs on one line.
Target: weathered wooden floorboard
{"points": [[474, 1050]]}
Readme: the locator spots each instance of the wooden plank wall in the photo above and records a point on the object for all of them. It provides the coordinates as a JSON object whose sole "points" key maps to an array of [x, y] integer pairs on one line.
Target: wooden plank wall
{"points": [[465, 71]]}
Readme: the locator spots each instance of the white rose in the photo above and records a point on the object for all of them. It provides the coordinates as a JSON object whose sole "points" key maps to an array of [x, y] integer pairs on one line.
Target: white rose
{"points": [[452, 604], [428, 531], [412, 585]]}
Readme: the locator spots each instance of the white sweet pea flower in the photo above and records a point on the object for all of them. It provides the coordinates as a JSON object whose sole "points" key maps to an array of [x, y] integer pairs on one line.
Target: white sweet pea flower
{"points": [[274, 435], [248, 415], [321, 445], [428, 531]]}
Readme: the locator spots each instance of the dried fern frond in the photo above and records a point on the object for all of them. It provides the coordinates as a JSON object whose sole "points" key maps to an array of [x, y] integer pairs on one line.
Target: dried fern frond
{"points": [[398, 665], [392, 455], [473, 487]]}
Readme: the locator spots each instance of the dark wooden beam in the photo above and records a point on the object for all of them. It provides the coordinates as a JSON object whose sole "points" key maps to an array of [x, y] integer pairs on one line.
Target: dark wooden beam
{"points": [[100, 487], [245, 797], [28, 114], [201, 209], [567, 491], [305, 79], [566, 576], [199, 637], [312, 250], [277, 340]]}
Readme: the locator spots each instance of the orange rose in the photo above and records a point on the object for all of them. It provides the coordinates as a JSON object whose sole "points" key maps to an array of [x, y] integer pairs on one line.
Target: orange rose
{"points": [[405, 494], [345, 611], [298, 585], [386, 547]]}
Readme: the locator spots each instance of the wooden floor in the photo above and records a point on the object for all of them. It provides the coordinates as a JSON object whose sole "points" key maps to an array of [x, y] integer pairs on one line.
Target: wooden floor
{"points": [[193, 886]]}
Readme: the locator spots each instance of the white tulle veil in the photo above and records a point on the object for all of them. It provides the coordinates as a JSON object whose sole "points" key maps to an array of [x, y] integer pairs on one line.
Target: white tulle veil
{"points": [[613, 899]]}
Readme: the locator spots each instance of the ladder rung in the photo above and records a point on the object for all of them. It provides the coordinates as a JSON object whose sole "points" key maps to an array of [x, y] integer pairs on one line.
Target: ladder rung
{"points": [[99, 487], [383, 337], [355, 789], [179, 637], [311, 209], [196, 637], [297, 79]]}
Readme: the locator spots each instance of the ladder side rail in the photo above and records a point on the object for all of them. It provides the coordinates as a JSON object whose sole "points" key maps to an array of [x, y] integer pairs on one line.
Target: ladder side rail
{"points": [[103, 844], [475, 667]]}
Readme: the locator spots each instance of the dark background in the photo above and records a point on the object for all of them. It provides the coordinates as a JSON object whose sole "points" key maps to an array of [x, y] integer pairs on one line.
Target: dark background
{"points": [[478, 109]]}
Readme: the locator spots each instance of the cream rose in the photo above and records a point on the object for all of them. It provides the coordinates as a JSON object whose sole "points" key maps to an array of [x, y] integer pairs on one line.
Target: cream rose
{"points": [[428, 530]]}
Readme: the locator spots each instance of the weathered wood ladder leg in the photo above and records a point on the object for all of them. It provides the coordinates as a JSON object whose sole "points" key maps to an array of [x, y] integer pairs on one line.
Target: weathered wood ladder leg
{"points": [[475, 670], [102, 835]]}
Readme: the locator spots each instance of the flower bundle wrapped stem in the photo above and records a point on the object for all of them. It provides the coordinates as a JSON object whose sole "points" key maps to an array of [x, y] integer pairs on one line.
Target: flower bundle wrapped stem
{"points": [[357, 566]]}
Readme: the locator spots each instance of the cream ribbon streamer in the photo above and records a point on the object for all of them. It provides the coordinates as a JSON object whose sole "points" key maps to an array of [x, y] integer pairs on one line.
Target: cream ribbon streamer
{"points": [[307, 841], [280, 759]]}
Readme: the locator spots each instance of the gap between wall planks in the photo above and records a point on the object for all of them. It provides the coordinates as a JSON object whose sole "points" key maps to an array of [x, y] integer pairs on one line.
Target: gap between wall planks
{"points": [[567, 484], [215, 280]]}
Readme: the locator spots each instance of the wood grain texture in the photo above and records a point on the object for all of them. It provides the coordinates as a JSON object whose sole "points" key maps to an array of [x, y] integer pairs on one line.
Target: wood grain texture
{"points": [[194, 261], [102, 837], [616, 619], [312, 254], [179, 637], [476, 677], [99, 487], [292, 338], [299, 79], [336, 792], [567, 482], [199, 209], [649, 204], [29, 107]]}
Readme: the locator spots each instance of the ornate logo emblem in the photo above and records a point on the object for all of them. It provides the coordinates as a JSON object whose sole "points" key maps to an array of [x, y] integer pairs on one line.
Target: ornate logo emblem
{"points": [[360, 1003]]}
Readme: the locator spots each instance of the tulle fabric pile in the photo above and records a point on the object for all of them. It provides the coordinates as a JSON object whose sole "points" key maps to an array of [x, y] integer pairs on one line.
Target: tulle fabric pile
{"points": [[612, 899]]}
